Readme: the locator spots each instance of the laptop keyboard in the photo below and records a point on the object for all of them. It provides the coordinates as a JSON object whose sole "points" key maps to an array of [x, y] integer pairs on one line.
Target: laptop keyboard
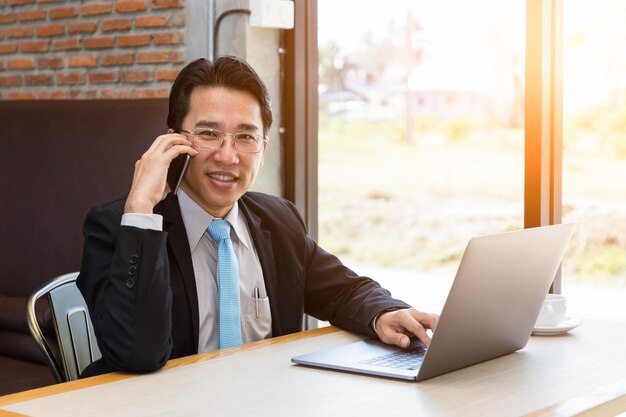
{"points": [[410, 359]]}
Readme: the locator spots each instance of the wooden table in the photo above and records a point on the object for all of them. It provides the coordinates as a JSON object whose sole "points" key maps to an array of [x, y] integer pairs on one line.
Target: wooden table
{"points": [[583, 371]]}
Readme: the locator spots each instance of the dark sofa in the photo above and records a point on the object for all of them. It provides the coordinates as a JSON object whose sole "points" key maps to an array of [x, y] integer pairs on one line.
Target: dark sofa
{"points": [[59, 158]]}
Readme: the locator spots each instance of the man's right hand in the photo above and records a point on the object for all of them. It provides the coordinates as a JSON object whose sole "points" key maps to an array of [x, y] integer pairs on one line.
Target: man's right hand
{"points": [[150, 178]]}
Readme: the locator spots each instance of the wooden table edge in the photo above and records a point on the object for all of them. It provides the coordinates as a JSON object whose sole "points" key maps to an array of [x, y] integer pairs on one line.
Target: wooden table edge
{"points": [[187, 360]]}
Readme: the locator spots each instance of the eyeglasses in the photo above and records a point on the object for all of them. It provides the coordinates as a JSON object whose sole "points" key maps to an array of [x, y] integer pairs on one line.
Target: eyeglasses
{"points": [[207, 138]]}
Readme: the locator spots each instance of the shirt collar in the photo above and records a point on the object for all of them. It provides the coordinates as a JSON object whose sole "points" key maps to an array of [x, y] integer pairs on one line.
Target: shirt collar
{"points": [[197, 220]]}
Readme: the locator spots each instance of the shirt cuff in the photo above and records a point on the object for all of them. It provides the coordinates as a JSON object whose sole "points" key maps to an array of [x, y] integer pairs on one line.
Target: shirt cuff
{"points": [[143, 221]]}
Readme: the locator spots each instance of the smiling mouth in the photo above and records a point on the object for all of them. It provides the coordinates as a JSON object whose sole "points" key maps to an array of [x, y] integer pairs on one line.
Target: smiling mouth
{"points": [[222, 177]]}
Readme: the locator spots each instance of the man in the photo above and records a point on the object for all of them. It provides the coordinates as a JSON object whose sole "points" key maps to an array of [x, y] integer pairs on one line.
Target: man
{"points": [[157, 271]]}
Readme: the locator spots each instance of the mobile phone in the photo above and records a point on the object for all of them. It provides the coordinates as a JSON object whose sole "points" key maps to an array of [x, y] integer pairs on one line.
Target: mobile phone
{"points": [[176, 172]]}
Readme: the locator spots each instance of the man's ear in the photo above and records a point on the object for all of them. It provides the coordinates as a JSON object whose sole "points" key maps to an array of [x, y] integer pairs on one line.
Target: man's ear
{"points": [[170, 130]]}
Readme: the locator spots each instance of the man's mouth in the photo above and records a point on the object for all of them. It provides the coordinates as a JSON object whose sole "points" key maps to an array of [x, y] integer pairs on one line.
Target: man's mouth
{"points": [[222, 177]]}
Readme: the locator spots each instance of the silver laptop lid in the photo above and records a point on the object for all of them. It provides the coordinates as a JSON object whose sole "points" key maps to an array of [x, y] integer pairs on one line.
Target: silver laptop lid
{"points": [[496, 296]]}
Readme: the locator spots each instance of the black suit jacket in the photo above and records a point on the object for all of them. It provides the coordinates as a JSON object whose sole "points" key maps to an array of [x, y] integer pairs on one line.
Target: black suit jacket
{"points": [[140, 286]]}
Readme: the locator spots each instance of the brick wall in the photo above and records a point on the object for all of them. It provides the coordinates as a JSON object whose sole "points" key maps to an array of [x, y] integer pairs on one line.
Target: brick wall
{"points": [[68, 49]]}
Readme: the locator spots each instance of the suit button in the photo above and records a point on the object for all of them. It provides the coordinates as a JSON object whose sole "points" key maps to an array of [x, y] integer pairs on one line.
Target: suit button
{"points": [[134, 259], [130, 283], [132, 270]]}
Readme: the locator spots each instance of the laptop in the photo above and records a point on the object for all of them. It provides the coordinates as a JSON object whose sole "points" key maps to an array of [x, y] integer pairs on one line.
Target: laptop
{"points": [[490, 311]]}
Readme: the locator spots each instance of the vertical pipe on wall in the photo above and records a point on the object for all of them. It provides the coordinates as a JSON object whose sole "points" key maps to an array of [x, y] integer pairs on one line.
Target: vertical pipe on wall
{"points": [[210, 24]]}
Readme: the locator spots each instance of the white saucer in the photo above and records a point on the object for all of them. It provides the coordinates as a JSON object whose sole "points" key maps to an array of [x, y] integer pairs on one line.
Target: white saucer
{"points": [[567, 324]]}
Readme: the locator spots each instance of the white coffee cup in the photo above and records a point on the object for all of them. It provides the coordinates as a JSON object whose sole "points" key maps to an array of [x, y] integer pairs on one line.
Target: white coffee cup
{"points": [[552, 311]]}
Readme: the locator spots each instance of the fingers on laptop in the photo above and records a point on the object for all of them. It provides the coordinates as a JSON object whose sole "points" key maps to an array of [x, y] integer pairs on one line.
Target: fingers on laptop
{"points": [[392, 326], [427, 320], [417, 328]]}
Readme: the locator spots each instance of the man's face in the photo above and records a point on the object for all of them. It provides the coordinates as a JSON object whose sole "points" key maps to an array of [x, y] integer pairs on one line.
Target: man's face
{"points": [[217, 178]]}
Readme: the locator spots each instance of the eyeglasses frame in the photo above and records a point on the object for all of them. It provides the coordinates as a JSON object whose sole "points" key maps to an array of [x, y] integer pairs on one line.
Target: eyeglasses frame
{"points": [[264, 138]]}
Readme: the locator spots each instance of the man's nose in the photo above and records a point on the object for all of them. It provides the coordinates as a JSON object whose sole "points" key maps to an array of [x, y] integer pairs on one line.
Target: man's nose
{"points": [[226, 153]]}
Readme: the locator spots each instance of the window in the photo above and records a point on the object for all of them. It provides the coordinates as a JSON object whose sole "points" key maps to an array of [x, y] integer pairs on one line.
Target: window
{"points": [[421, 135], [594, 156]]}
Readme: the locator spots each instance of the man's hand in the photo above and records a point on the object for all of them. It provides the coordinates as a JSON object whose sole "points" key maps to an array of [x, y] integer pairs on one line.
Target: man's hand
{"points": [[150, 178], [392, 327]]}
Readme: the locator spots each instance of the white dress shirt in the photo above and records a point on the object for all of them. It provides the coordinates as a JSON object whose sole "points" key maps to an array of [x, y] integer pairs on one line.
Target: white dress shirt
{"points": [[204, 258]]}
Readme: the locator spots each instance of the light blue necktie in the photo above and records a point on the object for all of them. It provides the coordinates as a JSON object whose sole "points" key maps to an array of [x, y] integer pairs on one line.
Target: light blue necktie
{"points": [[228, 277]]}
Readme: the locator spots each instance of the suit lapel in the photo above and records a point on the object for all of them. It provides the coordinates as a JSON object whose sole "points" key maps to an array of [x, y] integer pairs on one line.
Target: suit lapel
{"points": [[262, 240], [178, 248]]}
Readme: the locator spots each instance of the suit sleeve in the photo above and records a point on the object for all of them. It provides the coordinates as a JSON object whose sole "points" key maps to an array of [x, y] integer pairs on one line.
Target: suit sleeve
{"points": [[124, 279]]}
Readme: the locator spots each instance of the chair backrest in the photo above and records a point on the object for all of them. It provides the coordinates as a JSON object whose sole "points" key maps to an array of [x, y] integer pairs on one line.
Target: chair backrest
{"points": [[75, 334]]}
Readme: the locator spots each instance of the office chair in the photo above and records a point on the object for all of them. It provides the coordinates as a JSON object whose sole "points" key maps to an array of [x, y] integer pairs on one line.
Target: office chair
{"points": [[75, 334]]}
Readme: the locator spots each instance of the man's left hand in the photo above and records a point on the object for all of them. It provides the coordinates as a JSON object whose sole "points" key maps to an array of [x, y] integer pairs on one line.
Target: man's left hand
{"points": [[392, 327]]}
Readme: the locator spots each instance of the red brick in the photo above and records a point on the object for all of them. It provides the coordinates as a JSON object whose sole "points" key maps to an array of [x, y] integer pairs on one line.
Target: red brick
{"points": [[61, 12], [7, 18], [102, 77], [168, 38], [51, 30], [50, 1], [99, 43], [166, 4], [116, 59], [21, 63], [150, 22], [130, 6], [64, 78], [51, 95], [116, 24], [82, 27], [3, 33], [34, 46], [39, 79], [178, 56], [91, 9], [136, 77], [20, 32], [64, 44], [19, 2], [10, 80], [1, 65], [152, 57], [151, 93], [166, 75], [117, 93], [8, 48], [82, 61], [50, 62], [32, 15], [21, 95], [83, 94], [133, 40]]}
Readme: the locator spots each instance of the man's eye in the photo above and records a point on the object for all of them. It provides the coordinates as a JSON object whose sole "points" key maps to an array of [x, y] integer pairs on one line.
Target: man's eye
{"points": [[246, 137], [207, 134]]}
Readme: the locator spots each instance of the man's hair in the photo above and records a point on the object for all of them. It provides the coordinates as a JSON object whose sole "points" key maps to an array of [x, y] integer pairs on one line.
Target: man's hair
{"points": [[226, 71]]}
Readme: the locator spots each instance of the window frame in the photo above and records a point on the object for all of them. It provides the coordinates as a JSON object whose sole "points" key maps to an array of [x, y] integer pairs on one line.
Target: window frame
{"points": [[543, 126], [300, 114]]}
